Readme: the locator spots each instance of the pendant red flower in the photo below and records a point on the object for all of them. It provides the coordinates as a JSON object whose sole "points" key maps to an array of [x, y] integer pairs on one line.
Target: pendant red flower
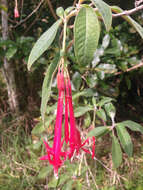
{"points": [[72, 138]]}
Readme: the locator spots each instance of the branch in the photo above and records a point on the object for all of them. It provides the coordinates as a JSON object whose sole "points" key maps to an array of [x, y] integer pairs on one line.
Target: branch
{"points": [[130, 69], [138, 2], [129, 12], [51, 9]]}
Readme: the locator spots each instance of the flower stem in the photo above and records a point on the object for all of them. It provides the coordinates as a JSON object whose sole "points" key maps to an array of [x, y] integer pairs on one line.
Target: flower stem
{"points": [[64, 35]]}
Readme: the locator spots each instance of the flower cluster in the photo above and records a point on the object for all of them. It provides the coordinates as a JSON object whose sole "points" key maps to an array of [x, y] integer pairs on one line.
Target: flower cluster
{"points": [[72, 138]]}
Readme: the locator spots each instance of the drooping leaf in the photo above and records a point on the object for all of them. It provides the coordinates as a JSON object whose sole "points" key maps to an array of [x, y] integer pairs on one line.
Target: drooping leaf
{"points": [[101, 114], [46, 88], [110, 109], [105, 11], [81, 110], [86, 35], [116, 152], [125, 139], [43, 43], [131, 21], [133, 126], [98, 131]]}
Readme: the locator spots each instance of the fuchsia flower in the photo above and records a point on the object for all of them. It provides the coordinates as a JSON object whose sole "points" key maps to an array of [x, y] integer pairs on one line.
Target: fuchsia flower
{"points": [[56, 152], [55, 156], [16, 13]]}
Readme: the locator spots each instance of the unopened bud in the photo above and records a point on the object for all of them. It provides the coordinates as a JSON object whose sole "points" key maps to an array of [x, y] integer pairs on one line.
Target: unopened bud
{"points": [[16, 13]]}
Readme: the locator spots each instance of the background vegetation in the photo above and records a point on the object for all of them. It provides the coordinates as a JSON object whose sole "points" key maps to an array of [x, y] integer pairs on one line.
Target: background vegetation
{"points": [[112, 80]]}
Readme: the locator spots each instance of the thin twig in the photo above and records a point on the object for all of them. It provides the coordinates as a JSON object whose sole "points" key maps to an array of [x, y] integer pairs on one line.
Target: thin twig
{"points": [[51, 9], [75, 1], [90, 173], [34, 11], [129, 12], [130, 69]]}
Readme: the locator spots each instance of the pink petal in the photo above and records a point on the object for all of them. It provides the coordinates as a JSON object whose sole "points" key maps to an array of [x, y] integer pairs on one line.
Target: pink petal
{"points": [[46, 157]]}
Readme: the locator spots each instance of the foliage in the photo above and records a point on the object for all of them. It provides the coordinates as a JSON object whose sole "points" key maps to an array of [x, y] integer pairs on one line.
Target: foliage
{"points": [[97, 67]]}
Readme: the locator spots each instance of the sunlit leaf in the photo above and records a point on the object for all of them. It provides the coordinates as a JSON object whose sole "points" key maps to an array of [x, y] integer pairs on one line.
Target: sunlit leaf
{"points": [[86, 35], [105, 12], [116, 152], [125, 139], [43, 43]]}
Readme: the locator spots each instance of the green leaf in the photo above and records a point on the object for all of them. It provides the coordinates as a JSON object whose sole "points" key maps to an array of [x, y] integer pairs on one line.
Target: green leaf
{"points": [[69, 9], [68, 185], [37, 145], [43, 43], [116, 152], [76, 79], [46, 88], [11, 52], [104, 101], [133, 126], [81, 110], [101, 114], [40, 127], [86, 35], [136, 25], [105, 11], [110, 110], [98, 131], [44, 172], [87, 120], [125, 139], [87, 93], [60, 12], [53, 183]]}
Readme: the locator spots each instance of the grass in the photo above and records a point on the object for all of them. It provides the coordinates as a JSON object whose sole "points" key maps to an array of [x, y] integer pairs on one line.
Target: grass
{"points": [[20, 168]]}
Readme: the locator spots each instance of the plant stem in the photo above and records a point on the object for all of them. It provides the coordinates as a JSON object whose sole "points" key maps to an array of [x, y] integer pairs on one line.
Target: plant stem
{"points": [[64, 34]]}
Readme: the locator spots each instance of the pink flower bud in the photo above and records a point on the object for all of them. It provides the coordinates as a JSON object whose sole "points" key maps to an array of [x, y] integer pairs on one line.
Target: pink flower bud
{"points": [[16, 13]]}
